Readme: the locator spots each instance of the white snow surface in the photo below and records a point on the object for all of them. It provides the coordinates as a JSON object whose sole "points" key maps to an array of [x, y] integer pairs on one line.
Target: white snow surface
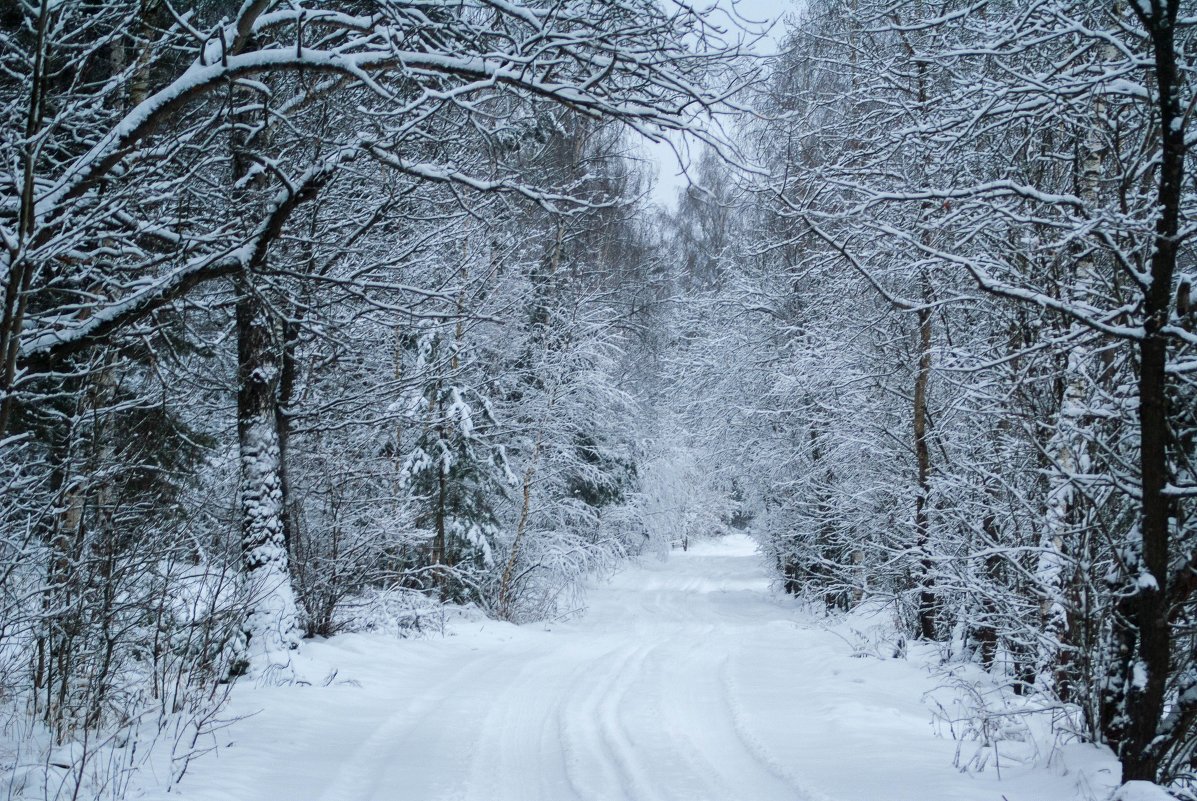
{"points": [[686, 680], [1142, 791]]}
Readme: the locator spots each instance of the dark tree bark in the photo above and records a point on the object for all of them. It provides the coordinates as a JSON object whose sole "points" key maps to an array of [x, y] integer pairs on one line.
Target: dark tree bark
{"points": [[1133, 705], [922, 523]]}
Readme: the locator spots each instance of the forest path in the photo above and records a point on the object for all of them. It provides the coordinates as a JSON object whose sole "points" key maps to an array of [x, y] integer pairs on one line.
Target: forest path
{"points": [[687, 680]]}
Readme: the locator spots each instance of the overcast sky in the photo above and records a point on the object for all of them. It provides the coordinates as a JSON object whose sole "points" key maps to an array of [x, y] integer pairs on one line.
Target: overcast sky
{"points": [[669, 172]]}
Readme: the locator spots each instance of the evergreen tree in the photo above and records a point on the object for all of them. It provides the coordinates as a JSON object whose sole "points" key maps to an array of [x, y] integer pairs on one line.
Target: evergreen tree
{"points": [[452, 466]]}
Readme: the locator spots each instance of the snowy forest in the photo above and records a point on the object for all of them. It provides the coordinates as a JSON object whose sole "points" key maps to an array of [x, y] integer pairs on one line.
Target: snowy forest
{"points": [[326, 318]]}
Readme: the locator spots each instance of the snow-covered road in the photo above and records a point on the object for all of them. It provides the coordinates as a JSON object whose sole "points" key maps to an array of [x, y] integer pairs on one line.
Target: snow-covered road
{"points": [[686, 680]]}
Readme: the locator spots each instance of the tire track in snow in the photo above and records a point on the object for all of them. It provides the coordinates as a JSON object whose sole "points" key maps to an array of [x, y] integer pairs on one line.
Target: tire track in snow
{"points": [[520, 754], [618, 736], [358, 778], [752, 745], [695, 767], [585, 723], [693, 733], [635, 702]]}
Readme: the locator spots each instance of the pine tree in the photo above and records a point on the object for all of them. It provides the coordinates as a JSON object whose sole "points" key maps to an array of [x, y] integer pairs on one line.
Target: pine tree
{"points": [[452, 467]]}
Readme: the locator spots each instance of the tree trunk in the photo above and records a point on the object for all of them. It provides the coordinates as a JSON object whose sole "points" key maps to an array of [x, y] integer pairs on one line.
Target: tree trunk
{"points": [[440, 553], [922, 524], [506, 600], [1068, 448], [272, 624], [288, 374], [20, 271], [1134, 702]]}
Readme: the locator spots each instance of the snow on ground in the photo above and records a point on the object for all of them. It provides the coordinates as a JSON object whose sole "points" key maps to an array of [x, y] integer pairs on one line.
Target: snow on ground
{"points": [[687, 680]]}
